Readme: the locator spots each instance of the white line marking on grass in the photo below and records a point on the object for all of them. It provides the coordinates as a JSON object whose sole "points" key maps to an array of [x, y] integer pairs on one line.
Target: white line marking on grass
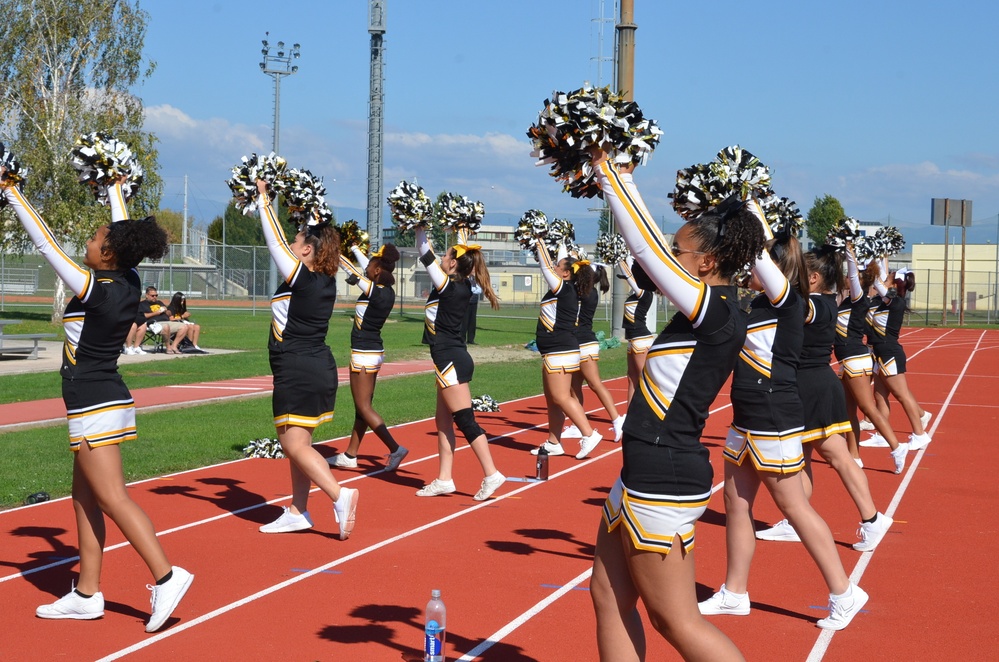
{"points": [[825, 638], [218, 388], [177, 629]]}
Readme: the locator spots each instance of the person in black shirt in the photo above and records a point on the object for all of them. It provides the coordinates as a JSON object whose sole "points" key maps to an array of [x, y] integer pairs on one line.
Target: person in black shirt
{"points": [[158, 319], [645, 544], [305, 379], [179, 313], [375, 280], [99, 407]]}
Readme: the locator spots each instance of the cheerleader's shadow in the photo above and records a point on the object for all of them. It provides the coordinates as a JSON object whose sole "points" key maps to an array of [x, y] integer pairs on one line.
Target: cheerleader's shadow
{"points": [[232, 498], [53, 583]]}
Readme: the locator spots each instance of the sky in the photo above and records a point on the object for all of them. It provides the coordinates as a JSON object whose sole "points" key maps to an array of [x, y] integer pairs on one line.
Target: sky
{"points": [[883, 105]]}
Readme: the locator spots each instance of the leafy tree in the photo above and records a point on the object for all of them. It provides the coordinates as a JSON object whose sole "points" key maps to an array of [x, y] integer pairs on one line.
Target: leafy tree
{"points": [[171, 221], [240, 230], [66, 68], [603, 223], [822, 217]]}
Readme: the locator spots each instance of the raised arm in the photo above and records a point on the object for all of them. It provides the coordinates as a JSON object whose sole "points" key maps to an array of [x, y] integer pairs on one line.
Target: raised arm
{"points": [[853, 274], [647, 243], [78, 279], [554, 281], [116, 198], [362, 259], [429, 260], [630, 278], [881, 282], [287, 263], [775, 283], [362, 281]]}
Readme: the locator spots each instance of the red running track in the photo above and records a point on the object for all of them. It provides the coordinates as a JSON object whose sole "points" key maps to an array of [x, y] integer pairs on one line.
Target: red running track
{"points": [[514, 570]]}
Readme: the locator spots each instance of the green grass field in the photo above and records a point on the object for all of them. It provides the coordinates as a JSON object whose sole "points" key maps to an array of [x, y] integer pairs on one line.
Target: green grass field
{"points": [[175, 440]]}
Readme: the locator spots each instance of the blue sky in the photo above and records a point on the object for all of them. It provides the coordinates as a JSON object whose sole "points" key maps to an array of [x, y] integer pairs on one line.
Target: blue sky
{"points": [[883, 105]]}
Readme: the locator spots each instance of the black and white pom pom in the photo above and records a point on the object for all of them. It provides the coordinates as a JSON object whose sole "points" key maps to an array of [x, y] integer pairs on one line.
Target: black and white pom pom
{"points": [[303, 193], [532, 226], [866, 249], [243, 183], [485, 403], [100, 159], [783, 215], [611, 248], [268, 448], [576, 252], [702, 186], [351, 234], [891, 240], [410, 206], [571, 123], [845, 231], [13, 175], [560, 234]]}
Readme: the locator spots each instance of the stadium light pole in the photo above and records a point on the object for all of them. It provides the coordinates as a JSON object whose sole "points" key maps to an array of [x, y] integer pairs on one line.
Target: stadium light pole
{"points": [[277, 65]]}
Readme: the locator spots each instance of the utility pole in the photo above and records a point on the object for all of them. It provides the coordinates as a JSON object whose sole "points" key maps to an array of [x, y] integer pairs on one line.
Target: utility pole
{"points": [[376, 100], [625, 75]]}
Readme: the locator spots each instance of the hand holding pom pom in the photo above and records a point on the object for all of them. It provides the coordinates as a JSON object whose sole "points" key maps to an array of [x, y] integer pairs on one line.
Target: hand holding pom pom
{"points": [[101, 160], [243, 183], [410, 206]]}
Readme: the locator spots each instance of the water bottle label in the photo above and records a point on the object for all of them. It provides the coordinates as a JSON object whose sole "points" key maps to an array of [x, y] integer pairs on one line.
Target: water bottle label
{"points": [[432, 644]]}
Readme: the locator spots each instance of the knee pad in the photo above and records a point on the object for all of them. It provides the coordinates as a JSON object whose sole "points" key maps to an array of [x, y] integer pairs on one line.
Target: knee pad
{"points": [[465, 420]]}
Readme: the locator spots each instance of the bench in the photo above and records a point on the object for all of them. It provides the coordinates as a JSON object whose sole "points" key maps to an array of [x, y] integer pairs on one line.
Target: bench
{"points": [[28, 352]]}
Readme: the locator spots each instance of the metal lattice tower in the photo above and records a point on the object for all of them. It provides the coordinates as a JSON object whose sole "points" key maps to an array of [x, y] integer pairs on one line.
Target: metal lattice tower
{"points": [[376, 27]]}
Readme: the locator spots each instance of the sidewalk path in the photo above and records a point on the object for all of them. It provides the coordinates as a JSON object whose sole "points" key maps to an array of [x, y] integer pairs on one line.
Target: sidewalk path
{"points": [[36, 413]]}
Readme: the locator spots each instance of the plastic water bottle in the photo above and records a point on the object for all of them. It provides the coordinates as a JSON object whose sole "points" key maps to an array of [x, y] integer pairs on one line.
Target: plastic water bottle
{"points": [[436, 628], [541, 466]]}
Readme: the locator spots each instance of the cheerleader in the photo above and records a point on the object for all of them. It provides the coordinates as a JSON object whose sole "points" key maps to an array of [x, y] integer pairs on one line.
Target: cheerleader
{"points": [[367, 353], [636, 332], [559, 349], [856, 365], [887, 320], [304, 370], [826, 420], [645, 543], [590, 283], [764, 442], [99, 407], [445, 310]]}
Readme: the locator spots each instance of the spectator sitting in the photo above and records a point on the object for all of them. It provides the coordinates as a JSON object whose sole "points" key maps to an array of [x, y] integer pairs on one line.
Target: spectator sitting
{"points": [[158, 318], [178, 313], [133, 342]]}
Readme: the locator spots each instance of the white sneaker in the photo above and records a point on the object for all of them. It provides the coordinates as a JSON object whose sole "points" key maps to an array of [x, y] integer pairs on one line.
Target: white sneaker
{"points": [[138, 350], [288, 522], [860, 463], [436, 487], [553, 449], [898, 455], [489, 485], [918, 442], [341, 460], [782, 531], [129, 351], [587, 444], [166, 597], [395, 458], [925, 419], [843, 608], [345, 511], [871, 534], [866, 425], [618, 427], [875, 441], [725, 602], [571, 432], [74, 606]]}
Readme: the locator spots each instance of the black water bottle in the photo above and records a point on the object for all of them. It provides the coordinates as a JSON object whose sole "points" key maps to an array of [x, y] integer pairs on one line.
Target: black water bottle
{"points": [[541, 465]]}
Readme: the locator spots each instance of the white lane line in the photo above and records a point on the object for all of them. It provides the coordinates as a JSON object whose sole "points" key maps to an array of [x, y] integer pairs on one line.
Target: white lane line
{"points": [[825, 637], [177, 629], [219, 388]]}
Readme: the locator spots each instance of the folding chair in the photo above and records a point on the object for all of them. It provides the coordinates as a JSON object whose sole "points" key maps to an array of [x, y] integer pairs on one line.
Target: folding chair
{"points": [[155, 339]]}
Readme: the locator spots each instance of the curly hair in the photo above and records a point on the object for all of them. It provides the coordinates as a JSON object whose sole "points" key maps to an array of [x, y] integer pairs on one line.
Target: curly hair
{"points": [[471, 263], [582, 278], [132, 241], [729, 232], [325, 241], [386, 262], [827, 262]]}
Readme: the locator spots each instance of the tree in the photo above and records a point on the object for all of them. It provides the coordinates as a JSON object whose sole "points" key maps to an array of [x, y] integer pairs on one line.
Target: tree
{"points": [[66, 68], [823, 215], [172, 222], [239, 230]]}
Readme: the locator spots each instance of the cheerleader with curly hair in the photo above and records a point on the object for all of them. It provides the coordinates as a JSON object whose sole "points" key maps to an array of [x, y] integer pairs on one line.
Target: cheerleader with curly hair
{"points": [[305, 379], [645, 542], [367, 353], [99, 407], [445, 310]]}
